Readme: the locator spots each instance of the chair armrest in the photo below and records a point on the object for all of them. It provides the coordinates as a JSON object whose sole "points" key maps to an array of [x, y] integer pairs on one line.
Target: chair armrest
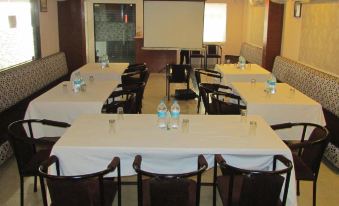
{"points": [[47, 163], [54, 123], [282, 126], [137, 163], [114, 163], [202, 163], [283, 160], [299, 145], [219, 159]]}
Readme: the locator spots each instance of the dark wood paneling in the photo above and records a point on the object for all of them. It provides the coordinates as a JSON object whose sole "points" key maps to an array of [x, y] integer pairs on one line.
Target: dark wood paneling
{"points": [[72, 39], [156, 60], [273, 27]]}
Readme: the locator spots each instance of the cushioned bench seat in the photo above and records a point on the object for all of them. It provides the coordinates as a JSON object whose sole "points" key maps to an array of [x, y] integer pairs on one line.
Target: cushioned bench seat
{"points": [[320, 86], [22, 83]]}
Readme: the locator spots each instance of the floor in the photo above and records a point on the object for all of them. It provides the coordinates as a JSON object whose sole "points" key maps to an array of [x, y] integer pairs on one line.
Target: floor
{"points": [[328, 181]]}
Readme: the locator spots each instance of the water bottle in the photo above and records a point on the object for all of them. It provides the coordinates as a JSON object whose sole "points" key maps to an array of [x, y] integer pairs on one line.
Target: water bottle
{"points": [[162, 113], [175, 113], [242, 62], [77, 82], [271, 84]]}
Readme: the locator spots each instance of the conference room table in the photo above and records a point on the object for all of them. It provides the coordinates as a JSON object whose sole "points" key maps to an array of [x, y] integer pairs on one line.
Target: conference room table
{"points": [[112, 72], [286, 105], [61, 103], [232, 73], [85, 149]]}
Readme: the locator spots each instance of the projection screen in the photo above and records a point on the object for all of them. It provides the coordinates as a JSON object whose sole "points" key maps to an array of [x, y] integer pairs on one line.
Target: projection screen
{"points": [[173, 24]]}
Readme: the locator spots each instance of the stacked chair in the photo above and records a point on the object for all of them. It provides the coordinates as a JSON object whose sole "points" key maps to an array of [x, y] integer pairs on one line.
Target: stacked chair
{"points": [[130, 92]]}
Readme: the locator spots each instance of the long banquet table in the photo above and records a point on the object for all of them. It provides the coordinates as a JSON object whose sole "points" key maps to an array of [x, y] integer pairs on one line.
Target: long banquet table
{"points": [[84, 149], [113, 72], [286, 105], [62, 104], [231, 73]]}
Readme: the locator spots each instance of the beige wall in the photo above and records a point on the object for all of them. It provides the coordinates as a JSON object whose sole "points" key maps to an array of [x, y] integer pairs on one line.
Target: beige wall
{"points": [[49, 33], [313, 39], [253, 24]]}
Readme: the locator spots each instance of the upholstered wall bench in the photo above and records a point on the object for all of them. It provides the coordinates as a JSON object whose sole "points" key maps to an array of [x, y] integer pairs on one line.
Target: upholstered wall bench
{"points": [[320, 86], [22, 83], [251, 52]]}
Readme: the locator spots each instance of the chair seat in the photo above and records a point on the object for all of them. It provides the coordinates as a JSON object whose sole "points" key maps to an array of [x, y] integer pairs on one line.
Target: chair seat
{"points": [[223, 188], [88, 188], [171, 190], [31, 168], [302, 171]]}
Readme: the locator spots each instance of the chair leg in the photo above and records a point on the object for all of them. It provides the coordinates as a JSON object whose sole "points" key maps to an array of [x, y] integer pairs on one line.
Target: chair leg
{"points": [[35, 184], [43, 191], [298, 187], [314, 192], [199, 100], [21, 191]]}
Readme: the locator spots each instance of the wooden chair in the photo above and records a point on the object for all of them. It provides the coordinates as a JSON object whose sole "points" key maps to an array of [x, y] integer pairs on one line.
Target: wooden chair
{"points": [[177, 73], [307, 154], [80, 190], [213, 52], [197, 54], [169, 189], [121, 98], [30, 150], [251, 187], [226, 103]]}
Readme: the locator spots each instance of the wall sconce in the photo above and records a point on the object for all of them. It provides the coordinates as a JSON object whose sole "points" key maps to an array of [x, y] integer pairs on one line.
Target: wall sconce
{"points": [[297, 9]]}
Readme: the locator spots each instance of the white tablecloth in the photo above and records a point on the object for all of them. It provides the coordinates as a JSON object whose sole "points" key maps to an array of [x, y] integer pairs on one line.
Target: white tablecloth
{"points": [[231, 73], [113, 72], [62, 104], [284, 106], [83, 149]]}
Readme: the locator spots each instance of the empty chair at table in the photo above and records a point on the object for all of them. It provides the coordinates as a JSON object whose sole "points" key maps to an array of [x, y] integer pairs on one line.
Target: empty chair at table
{"points": [[307, 153], [202, 76], [252, 187], [213, 52], [169, 189], [197, 54], [224, 102], [29, 149], [177, 73], [81, 190]]}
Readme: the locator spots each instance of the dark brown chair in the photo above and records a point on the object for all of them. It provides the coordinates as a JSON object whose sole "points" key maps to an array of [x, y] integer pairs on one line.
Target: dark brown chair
{"points": [[205, 91], [226, 103], [213, 52], [30, 150], [251, 187], [199, 73], [196, 54], [169, 189], [307, 154], [81, 190], [177, 73], [121, 98]]}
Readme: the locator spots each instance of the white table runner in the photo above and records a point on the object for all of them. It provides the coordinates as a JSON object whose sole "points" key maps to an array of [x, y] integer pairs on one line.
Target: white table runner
{"points": [[284, 106], [231, 73], [62, 104], [84, 149]]}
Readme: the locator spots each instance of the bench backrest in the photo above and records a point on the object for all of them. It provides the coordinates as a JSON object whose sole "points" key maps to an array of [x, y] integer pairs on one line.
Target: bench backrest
{"points": [[251, 53], [23, 80], [320, 86]]}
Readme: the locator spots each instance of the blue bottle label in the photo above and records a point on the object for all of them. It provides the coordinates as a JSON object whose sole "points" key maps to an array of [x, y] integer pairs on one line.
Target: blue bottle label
{"points": [[175, 114], [162, 114]]}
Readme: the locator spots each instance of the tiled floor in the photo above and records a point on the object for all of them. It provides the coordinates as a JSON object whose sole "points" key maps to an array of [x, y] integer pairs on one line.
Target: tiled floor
{"points": [[328, 181]]}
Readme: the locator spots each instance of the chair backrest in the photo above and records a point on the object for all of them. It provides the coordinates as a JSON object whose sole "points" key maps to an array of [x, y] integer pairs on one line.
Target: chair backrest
{"points": [[121, 98], [138, 89], [178, 73], [213, 49], [258, 188], [170, 189], [23, 143], [207, 73], [226, 103], [85, 190]]}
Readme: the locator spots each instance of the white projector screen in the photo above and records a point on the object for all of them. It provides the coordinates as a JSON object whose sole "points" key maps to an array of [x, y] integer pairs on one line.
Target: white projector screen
{"points": [[173, 24]]}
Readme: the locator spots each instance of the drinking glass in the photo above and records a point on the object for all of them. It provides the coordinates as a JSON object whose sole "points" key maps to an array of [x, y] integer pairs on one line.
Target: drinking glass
{"points": [[243, 115], [112, 125], [83, 88], [253, 82], [91, 79], [292, 92], [64, 87], [253, 128], [185, 126], [120, 112]]}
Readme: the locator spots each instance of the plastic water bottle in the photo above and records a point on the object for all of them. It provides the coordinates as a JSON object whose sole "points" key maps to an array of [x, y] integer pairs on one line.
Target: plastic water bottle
{"points": [[175, 114], [242, 62], [162, 113], [77, 82], [271, 84]]}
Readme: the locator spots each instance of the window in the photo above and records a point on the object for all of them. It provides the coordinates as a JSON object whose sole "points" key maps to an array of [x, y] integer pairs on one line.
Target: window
{"points": [[215, 23], [17, 38]]}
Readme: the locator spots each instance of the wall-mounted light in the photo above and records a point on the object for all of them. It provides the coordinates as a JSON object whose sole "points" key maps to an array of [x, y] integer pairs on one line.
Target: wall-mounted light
{"points": [[297, 9]]}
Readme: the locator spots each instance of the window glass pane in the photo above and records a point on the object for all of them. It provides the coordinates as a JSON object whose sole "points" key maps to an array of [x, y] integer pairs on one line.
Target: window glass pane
{"points": [[215, 23], [16, 33]]}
